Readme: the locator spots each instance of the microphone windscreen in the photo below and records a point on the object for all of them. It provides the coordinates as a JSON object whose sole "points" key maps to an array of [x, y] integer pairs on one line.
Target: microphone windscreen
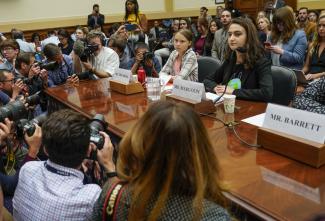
{"points": [[78, 47]]}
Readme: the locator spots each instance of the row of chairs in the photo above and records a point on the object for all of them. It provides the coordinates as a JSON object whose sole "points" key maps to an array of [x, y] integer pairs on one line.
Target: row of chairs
{"points": [[284, 79]]}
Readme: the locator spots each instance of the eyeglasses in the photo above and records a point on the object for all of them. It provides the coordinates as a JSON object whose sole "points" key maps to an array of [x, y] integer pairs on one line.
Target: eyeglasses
{"points": [[11, 80], [7, 49]]}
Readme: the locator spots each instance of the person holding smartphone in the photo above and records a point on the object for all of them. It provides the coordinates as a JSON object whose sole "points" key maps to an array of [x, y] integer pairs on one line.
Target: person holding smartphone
{"points": [[134, 16], [95, 18]]}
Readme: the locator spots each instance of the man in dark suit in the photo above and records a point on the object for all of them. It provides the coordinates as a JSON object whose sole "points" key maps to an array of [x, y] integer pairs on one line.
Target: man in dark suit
{"points": [[271, 6], [95, 18]]}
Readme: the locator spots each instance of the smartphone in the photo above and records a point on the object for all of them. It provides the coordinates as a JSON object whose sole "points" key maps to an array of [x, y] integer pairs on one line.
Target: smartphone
{"points": [[130, 27], [267, 44]]}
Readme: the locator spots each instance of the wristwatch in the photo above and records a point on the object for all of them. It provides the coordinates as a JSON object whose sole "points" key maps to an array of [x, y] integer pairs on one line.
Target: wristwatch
{"points": [[111, 174]]}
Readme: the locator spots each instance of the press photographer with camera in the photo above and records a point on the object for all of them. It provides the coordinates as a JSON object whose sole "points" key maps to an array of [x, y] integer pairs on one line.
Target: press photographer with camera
{"points": [[98, 60], [35, 75], [9, 89], [144, 59], [64, 71], [56, 186]]}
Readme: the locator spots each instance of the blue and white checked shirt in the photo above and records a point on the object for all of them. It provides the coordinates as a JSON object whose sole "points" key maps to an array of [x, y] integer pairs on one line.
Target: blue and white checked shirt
{"points": [[42, 194]]}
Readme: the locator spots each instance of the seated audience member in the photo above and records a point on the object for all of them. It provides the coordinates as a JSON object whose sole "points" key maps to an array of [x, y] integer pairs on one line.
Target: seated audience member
{"points": [[163, 177], [315, 62], [66, 43], [260, 14], [24, 46], [123, 33], [246, 71], [312, 16], [264, 26], [312, 98], [81, 33], [204, 14], [26, 66], [219, 46], [103, 62], [199, 43], [55, 188], [63, 72], [155, 30], [118, 44], [182, 62], [184, 23], [168, 46], [213, 27], [304, 24], [9, 89], [288, 43], [9, 49], [52, 38], [36, 41], [95, 18], [144, 59]]}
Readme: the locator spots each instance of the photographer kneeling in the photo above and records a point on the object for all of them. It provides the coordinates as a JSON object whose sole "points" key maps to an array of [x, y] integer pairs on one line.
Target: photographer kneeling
{"points": [[144, 59], [55, 188]]}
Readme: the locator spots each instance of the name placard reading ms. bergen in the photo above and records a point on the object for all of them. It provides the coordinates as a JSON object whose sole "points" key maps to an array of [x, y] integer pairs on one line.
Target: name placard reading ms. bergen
{"points": [[122, 75], [299, 123], [189, 89]]}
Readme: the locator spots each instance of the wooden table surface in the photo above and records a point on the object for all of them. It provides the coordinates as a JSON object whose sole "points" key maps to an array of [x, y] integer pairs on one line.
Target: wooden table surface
{"points": [[265, 183]]}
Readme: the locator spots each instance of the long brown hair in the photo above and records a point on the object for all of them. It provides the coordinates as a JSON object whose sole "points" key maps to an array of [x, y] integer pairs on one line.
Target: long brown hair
{"points": [[316, 39], [254, 48], [168, 152], [285, 16]]}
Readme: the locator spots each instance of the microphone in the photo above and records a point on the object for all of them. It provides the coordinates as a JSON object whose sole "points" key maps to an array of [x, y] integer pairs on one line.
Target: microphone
{"points": [[78, 47], [241, 49]]}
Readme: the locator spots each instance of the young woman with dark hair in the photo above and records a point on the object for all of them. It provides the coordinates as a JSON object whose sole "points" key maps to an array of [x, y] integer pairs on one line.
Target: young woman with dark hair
{"points": [[66, 43], [134, 16], [166, 178], [289, 44], [246, 72], [199, 43]]}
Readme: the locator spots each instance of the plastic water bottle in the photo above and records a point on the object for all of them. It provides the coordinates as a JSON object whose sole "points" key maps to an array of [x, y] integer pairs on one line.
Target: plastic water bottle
{"points": [[141, 75]]}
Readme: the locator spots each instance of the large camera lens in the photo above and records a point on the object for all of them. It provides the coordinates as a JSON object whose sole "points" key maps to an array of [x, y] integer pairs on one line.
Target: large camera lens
{"points": [[97, 124]]}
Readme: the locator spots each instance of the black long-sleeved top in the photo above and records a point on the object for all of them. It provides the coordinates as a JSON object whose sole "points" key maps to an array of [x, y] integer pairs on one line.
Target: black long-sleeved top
{"points": [[256, 83]]}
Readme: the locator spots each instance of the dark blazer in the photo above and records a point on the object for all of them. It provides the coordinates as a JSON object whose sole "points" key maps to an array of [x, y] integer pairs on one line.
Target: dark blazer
{"points": [[280, 4], [91, 21], [257, 83]]}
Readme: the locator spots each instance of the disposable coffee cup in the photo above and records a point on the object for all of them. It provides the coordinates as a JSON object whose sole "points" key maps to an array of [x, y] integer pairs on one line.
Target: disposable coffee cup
{"points": [[229, 103]]}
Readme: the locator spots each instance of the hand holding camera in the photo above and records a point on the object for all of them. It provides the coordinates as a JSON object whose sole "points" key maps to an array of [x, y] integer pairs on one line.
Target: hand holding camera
{"points": [[73, 79], [105, 155], [5, 129], [34, 142]]}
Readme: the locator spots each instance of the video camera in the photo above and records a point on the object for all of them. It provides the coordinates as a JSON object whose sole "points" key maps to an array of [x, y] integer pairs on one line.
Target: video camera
{"points": [[89, 50]]}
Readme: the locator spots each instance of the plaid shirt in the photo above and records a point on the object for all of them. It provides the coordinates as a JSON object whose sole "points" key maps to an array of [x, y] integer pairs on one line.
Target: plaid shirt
{"points": [[61, 74], [189, 66], [48, 191]]}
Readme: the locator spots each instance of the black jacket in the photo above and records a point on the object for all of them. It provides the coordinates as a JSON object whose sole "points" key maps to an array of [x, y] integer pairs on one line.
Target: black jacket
{"points": [[100, 21], [256, 83]]}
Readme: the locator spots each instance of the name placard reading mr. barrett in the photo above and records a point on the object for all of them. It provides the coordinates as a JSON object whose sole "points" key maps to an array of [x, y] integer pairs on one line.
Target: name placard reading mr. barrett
{"points": [[189, 89], [122, 75], [299, 123]]}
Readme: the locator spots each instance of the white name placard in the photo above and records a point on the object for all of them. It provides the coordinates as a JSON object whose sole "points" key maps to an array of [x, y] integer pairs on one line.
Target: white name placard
{"points": [[122, 75], [189, 89], [299, 123]]}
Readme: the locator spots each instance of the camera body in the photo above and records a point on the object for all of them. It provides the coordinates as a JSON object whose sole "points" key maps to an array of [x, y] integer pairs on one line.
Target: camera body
{"points": [[148, 56], [89, 50], [50, 66], [97, 124], [28, 127]]}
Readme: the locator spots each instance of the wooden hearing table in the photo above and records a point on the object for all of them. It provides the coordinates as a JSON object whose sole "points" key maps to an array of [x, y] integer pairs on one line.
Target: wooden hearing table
{"points": [[265, 184]]}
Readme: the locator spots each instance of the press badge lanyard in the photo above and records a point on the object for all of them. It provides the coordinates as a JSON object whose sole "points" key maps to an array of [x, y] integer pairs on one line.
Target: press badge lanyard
{"points": [[56, 171]]}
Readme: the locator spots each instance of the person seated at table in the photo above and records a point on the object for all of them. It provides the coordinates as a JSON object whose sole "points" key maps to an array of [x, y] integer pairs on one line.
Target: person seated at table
{"points": [[287, 44], [182, 62], [144, 59], [246, 72], [164, 177], [315, 62], [312, 98]]}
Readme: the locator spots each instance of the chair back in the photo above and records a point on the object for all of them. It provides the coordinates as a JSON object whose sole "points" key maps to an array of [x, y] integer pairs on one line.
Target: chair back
{"points": [[284, 85], [207, 66]]}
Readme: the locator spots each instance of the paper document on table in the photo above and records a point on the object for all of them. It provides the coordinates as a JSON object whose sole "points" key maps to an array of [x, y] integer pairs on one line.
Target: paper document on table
{"points": [[256, 120], [213, 97]]}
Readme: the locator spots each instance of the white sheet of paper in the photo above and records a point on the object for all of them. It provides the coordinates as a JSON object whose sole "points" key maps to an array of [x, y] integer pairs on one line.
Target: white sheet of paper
{"points": [[213, 97], [256, 120]]}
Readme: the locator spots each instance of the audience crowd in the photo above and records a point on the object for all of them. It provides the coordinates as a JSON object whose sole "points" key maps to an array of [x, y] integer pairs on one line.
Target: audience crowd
{"points": [[156, 174]]}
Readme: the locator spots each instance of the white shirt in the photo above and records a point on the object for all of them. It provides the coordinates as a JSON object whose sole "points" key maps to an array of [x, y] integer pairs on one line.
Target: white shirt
{"points": [[107, 60], [25, 46], [52, 39], [43, 193]]}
